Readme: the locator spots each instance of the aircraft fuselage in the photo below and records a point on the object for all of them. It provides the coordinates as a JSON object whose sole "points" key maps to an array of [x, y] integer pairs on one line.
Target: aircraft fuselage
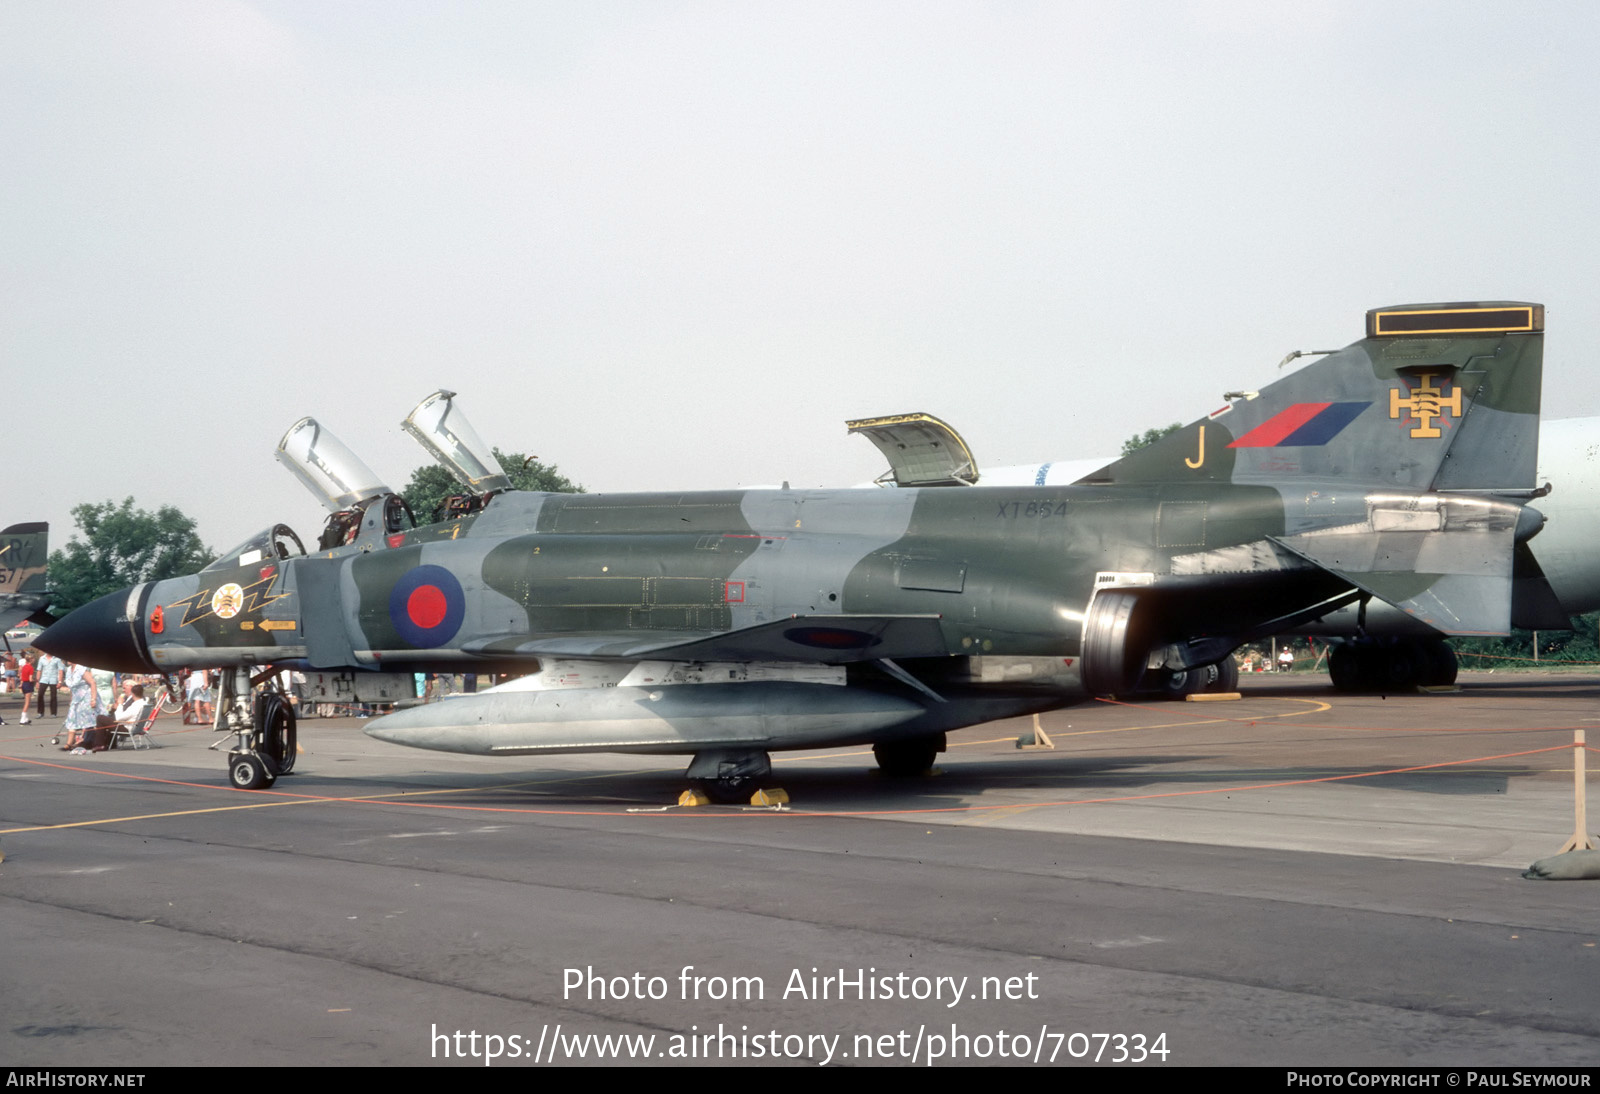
{"points": [[1007, 571]]}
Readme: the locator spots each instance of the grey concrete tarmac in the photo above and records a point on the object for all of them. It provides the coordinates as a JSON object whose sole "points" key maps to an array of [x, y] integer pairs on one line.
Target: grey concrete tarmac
{"points": [[1296, 878]]}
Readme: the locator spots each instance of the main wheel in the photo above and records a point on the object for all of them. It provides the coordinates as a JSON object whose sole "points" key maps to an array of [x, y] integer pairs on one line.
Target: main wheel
{"points": [[1222, 677], [913, 756], [1442, 665], [1114, 647], [729, 776], [734, 791], [1398, 666], [247, 772], [1344, 669], [1182, 683]]}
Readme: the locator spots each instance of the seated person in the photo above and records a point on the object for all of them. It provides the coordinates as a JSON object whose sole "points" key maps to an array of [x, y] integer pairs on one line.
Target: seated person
{"points": [[133, 707]]}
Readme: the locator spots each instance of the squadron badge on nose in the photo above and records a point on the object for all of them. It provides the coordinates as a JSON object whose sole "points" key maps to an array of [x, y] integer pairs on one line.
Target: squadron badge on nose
{"points": [[227, 601]]}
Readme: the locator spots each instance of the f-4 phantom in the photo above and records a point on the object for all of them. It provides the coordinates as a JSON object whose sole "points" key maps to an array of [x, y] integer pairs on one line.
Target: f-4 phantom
{"points": [[729, 624]]}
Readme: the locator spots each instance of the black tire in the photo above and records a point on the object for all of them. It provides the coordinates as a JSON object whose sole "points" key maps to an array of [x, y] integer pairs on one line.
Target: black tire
{"points": [[1393, 667], [1223, 676], [913, 756], [1181, 684], [247, 772], [276, 735], [1112, 661], [734, 791], [1441, 662], [1344, 669]]}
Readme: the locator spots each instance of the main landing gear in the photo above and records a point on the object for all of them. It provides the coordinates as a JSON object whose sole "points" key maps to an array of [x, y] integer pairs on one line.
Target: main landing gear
{"points": [[262, 725], [1212, 679], [728, 776], [1392, 664], [908, 756], [731, 776]]}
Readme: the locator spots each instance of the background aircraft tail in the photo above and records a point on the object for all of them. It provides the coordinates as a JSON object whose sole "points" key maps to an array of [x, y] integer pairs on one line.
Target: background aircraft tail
{"points": [[24, 554], [1435, 397]]}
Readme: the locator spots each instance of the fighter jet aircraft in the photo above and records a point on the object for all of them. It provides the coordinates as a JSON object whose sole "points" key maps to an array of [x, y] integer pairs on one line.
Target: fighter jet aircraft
{"points": [[729, 624], [24, 550]]}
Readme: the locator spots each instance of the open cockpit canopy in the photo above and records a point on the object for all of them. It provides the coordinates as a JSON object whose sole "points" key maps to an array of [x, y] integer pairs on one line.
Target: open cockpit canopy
{"points": [[332, 472], [440, 427]]}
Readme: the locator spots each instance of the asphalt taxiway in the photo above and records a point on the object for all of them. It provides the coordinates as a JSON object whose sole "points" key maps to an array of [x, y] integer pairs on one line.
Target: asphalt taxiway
{"points": [[1295, 878]]}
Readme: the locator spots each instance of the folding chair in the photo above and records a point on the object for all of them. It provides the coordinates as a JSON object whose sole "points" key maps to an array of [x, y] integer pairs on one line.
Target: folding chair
{"points": [[137, 731]]}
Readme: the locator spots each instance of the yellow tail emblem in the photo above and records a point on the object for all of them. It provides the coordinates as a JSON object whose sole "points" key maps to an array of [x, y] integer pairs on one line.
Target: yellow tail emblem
{"points": [[1425, 403]]}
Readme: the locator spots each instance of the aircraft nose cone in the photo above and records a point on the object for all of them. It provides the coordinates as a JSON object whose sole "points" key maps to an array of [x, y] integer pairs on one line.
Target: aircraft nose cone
{"points": [[99, 635]]}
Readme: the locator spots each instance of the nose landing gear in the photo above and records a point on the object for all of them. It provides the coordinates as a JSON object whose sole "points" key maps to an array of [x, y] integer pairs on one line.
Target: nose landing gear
{"points": [[262, 726]]}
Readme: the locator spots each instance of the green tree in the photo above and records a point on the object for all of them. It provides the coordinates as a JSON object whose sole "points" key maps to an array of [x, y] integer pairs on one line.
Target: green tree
{"points": [[1148, 437], [431, 483], [1581, 645], [122, 546]]}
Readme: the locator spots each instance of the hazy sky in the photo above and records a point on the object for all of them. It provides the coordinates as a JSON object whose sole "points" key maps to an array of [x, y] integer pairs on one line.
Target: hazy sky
{"points": [[671, 245]]}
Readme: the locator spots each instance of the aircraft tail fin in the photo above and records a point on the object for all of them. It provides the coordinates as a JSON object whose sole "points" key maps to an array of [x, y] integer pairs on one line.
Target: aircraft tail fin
{"points": [[1435, 397], [24, 552], [24, 555]]}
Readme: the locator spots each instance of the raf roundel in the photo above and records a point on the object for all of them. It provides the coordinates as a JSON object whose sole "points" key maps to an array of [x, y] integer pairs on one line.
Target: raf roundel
{"points": [[427, 606]]}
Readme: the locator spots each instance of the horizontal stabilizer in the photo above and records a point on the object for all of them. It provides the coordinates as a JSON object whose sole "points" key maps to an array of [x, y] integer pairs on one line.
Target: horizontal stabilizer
{"points": [[823, 639], [1445, 561]]}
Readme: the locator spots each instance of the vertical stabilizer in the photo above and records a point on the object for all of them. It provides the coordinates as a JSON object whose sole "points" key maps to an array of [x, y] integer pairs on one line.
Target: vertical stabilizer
{"points": [[24, 554], [1435, 397]]}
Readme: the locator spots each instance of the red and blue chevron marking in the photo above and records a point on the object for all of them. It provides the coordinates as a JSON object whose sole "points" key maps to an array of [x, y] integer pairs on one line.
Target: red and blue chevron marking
{"points": [[1302, 425]]}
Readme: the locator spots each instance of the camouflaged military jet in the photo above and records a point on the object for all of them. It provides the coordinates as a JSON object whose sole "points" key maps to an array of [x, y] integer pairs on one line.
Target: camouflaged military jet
{"points": [[728, 624], [24, 551]]}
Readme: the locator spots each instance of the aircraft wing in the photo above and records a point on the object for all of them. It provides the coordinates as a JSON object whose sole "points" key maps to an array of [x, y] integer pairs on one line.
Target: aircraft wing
{"points": [[821, 639]]}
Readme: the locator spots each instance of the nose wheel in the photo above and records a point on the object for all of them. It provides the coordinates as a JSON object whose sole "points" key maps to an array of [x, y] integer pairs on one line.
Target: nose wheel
{"points": [[248, 771], [262, 726]]}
